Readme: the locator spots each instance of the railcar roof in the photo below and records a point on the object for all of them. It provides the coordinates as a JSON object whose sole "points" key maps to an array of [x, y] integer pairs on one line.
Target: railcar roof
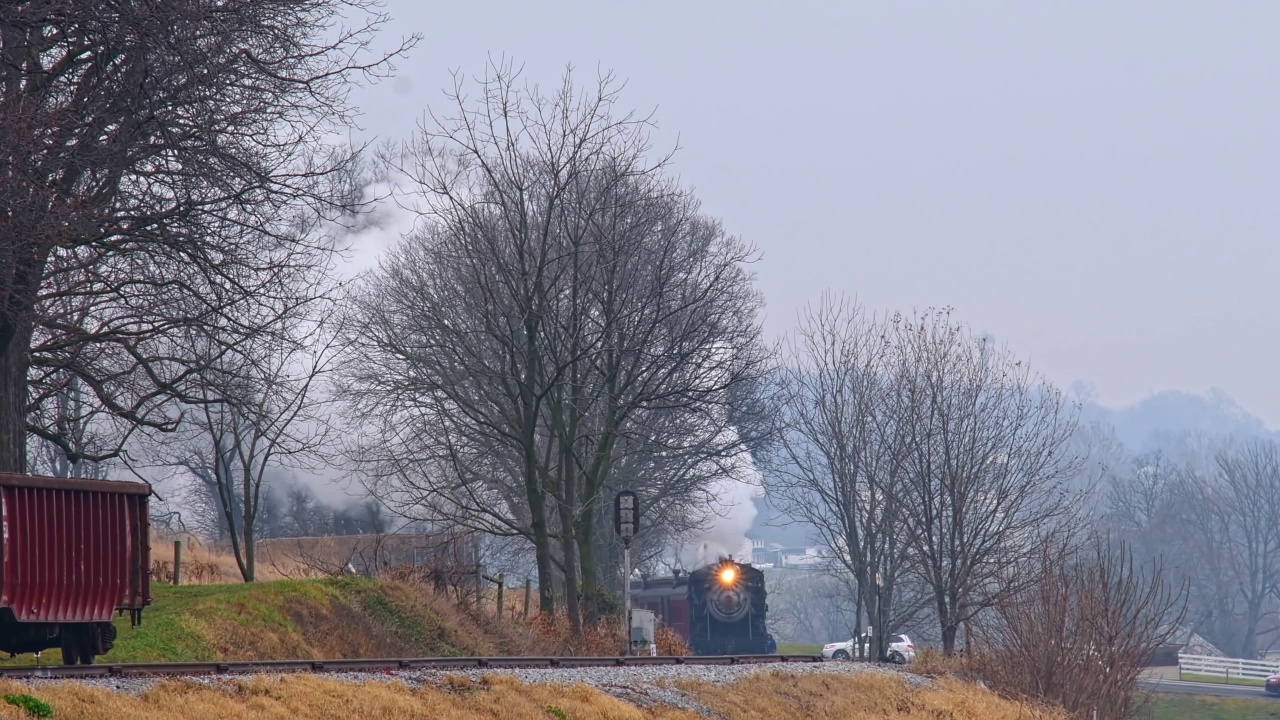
{"points": [[126, 487]]}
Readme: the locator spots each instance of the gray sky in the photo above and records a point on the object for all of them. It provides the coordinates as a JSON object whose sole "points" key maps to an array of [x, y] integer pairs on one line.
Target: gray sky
{"points": [[1093, 183]]}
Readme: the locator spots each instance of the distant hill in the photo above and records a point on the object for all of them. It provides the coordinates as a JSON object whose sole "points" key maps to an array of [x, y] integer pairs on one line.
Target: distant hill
{"points": [[1154, 423], [1159, 419]]}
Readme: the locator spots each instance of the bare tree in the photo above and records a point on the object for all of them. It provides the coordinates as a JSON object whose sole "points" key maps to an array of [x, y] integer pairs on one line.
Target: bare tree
{"points": [[842, 452], [1105, 461], [455, 316], [809, 606], [1233, 513], [139, 145], [85, 431], [264, 413], [564, 313], [989, 466], [1142, 505]]}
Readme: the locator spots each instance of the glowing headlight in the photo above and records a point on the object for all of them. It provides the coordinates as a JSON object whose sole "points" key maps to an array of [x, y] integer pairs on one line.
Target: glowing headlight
{"points": [[727, 575]]}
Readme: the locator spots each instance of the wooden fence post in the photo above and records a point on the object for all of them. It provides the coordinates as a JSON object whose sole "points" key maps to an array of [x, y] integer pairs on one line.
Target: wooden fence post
{"points": [[528, 593], [502, 584], [177, 560]]}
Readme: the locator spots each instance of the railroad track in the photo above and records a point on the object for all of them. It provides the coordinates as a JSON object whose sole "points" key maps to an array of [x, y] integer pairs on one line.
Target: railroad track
{"points": [[188, 669]]}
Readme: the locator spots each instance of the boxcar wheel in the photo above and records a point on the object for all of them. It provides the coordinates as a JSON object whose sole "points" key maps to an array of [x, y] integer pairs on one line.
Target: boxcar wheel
{"points": [[77, 643], [102, 637]]}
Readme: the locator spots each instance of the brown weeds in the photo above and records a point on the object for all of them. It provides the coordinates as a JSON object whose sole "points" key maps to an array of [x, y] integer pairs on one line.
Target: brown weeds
{"points": [[766, 696], [203, 563]]}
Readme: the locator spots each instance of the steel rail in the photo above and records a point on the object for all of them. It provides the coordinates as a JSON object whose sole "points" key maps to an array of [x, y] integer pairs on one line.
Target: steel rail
{"points": [[186, 669]]}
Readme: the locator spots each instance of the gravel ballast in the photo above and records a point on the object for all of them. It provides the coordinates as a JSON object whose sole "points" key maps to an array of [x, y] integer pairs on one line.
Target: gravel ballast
{"points": [[645, 686]]}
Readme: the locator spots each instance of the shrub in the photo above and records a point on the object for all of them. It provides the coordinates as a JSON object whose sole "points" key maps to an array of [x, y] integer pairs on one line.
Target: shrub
{"points": [[33, 706], [1080, 634]]}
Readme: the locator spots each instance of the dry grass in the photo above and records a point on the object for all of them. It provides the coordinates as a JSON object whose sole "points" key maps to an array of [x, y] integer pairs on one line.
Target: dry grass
{"points": [[342, 618], [934, 663], [767, 696], [781, 695], [538, 635], [205, 564], [310, 619]]}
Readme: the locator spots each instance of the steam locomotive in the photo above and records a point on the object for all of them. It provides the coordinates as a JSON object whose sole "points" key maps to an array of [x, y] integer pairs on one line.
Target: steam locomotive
{"points": [[718, 609]]}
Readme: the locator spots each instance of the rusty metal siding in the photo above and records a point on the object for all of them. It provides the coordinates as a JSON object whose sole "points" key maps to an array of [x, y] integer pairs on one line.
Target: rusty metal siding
{"points": [[73, 551]]}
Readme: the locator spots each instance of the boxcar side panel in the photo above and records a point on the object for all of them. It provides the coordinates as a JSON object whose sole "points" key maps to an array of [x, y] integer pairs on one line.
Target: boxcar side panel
{"points": [[72, 554]]}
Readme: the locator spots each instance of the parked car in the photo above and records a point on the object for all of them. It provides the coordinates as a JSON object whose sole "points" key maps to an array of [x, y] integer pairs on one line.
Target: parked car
{"points": [[901, 650]]}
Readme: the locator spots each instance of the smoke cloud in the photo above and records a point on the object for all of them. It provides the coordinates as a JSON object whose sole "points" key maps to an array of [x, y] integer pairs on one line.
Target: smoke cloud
{"points": [[735, 492]]}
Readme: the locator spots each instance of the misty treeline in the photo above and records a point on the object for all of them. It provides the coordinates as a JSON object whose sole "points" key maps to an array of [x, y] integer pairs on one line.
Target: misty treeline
{"points": [[1210, 506], [938, 467], [287, 509]]}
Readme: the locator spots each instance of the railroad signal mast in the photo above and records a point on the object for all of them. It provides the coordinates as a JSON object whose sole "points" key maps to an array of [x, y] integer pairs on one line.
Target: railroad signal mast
{"points": [[626, 521]]}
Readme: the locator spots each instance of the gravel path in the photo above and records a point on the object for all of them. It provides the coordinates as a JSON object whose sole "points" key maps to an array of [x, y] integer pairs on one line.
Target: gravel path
{"points": [[643, 686]]}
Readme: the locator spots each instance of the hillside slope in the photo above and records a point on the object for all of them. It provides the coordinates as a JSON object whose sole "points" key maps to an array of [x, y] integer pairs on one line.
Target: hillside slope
{"points": [[303, 619]]}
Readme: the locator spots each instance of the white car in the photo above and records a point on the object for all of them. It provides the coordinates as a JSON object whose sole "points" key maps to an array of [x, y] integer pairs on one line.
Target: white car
{"points": [[901, 650]]}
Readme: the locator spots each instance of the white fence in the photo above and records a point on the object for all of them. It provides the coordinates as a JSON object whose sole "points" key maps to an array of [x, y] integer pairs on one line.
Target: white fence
{"points": [[1228, 668]]}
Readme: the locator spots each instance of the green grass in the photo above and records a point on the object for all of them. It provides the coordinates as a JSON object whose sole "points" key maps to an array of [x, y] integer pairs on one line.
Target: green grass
{"points": [[170, 627], [417, 626], [1222, 679], [194, 623], [799, 649], [1195, 707]]}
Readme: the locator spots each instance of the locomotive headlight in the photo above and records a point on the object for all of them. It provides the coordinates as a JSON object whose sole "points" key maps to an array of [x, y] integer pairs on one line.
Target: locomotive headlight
{"points": [[728, 575]]}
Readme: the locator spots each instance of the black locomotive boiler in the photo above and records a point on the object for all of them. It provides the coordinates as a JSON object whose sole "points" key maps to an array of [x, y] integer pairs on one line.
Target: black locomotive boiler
{"points": [[719, 609]]}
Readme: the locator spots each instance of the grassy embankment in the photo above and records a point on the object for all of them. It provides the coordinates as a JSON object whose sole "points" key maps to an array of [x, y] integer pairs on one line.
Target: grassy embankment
{"points": [[325, 618], [301, 619], [767, 696], [799, 649]]}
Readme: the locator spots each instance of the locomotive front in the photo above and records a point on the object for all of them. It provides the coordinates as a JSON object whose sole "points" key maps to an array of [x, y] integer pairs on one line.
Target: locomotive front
{"points": [[727, 610]]}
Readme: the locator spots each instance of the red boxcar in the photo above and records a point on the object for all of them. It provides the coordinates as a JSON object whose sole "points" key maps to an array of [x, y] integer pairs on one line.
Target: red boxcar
{"points": [[668, 598], [73, 553]]}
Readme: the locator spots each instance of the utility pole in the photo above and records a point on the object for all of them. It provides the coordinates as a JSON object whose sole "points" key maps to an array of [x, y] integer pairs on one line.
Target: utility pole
{"points": [[626, 520], [881, 621]]}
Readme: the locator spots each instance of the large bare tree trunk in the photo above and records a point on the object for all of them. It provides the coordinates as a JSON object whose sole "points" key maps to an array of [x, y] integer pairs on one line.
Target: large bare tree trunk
{"points": [[24, 269], [14, 341], [538, 520], [250, 520], [587, 561], [568, 542]]}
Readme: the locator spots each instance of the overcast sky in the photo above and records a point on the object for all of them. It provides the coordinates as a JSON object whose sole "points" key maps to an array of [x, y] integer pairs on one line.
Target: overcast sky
{"points": [[1093, 183]]}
